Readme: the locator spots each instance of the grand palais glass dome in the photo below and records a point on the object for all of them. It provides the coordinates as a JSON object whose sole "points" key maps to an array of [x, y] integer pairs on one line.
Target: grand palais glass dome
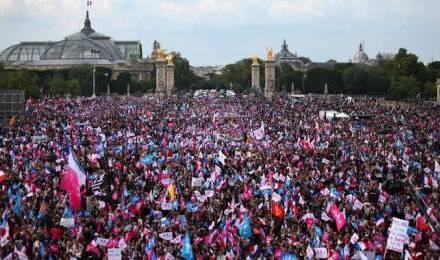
{"points": [[83, 47]]}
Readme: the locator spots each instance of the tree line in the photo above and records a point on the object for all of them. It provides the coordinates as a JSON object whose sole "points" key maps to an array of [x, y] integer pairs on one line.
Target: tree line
{"points": [[78, 80], [400, 77]]}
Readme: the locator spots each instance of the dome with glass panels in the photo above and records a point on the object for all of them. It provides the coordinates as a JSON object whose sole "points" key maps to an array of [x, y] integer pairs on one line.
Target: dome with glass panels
{"points": [[83, 47]]}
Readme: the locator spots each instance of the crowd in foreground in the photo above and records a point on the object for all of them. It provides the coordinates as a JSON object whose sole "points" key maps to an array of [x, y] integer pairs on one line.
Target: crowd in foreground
{"points": [[226, 178]]}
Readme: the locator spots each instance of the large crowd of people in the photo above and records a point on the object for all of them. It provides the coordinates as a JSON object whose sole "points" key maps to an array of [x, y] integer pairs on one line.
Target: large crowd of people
{"points": [[231, 178]]}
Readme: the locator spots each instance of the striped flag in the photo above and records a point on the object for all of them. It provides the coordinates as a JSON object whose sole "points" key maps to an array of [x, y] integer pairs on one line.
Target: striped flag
{"points": [[96, 186], [73, 178], [379, 221], [76, 167]]}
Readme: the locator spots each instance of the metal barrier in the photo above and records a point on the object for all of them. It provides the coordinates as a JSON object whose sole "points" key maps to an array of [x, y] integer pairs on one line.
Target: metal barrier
{"points": [[11, 104]]}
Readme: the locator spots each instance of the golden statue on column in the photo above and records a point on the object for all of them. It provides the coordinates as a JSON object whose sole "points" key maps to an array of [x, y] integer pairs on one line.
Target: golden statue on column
{"points": [[170, 59], [269, 55]]}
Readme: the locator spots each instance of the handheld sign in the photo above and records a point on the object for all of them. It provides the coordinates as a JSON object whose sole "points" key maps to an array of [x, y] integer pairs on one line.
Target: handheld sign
{"points": [[114, 254], [168, 236]]}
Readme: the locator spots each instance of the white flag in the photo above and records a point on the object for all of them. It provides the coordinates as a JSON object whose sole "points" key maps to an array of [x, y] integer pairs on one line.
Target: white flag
{"points": [[436, 167], [176, 240], [221, 157], [433, 245], [310, 252], [259, 133], [276, 197], [354, 238]]}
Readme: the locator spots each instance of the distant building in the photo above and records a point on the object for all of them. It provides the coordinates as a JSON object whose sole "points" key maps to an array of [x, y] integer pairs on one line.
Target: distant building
{"points": [[361, 57], [305, 64], [84, 47], [207, 71], [285, 56]]}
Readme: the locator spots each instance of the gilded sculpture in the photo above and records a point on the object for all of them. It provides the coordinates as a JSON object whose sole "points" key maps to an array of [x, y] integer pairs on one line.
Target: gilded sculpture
{"points": [[255, 60], [160, 54], [269, 55], [170, 58]]}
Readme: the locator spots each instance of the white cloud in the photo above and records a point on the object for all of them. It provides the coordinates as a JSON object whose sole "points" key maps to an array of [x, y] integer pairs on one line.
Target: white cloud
{"points": [[6, 5], [246, 25]]}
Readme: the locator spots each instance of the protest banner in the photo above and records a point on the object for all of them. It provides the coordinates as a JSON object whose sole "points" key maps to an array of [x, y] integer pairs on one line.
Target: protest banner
{"points": [[166, 206], [102, 241], [166, 236], [67, 222], [114, 254], [321, 253], [398, 236], [197, 182]]}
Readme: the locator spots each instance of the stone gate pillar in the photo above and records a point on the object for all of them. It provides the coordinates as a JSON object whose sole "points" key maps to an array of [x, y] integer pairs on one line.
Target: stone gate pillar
{"points": [[269, 84], [255, 67], [170, 79], [160, 77]]}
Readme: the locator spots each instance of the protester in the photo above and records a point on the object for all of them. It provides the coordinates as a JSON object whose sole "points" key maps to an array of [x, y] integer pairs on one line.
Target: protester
{"points": [[240, 178]]}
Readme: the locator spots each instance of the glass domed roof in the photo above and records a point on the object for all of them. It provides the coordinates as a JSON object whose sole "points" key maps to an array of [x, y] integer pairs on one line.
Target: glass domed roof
{"points": [[85, 46]]}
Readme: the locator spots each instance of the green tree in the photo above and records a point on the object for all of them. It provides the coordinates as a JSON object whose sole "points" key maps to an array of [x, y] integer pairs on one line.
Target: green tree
{"points": [[429, 90], [433, 71], [316, 78], [146, 86], [84, 74], [238, 74], [120, 84], [354, 79], [57, 86], [403, 88], [73, 87], [408, 65], [287, 76], [378, 81], [184, 77], [60, 86], [23, 80]]}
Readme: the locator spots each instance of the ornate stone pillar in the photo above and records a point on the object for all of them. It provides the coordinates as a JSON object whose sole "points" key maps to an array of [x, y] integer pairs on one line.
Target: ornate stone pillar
{"points": [[170, 79], [160, 77], [438, 91], [255, 68], [269, 84]]}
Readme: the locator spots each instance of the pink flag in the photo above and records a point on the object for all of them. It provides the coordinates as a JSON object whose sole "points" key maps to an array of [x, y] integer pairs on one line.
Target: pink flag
{"points": [[340, 221], [73, 178], [334, 211], [69, 183]]}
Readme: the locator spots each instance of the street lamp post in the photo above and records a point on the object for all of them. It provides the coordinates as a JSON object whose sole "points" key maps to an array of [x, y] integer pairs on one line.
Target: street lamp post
{"points": [[304, 82], [108, 84], [92, 51], [94, 87]]}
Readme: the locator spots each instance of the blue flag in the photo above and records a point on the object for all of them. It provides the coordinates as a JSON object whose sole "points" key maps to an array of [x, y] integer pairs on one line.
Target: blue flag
{"points": [[148, 160], [18, 207], [68, 213], [186, 250], [288, 256], [245, 229]]}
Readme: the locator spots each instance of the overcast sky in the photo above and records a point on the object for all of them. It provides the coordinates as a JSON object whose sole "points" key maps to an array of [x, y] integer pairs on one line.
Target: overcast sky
{"points": [[224, 31]]}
